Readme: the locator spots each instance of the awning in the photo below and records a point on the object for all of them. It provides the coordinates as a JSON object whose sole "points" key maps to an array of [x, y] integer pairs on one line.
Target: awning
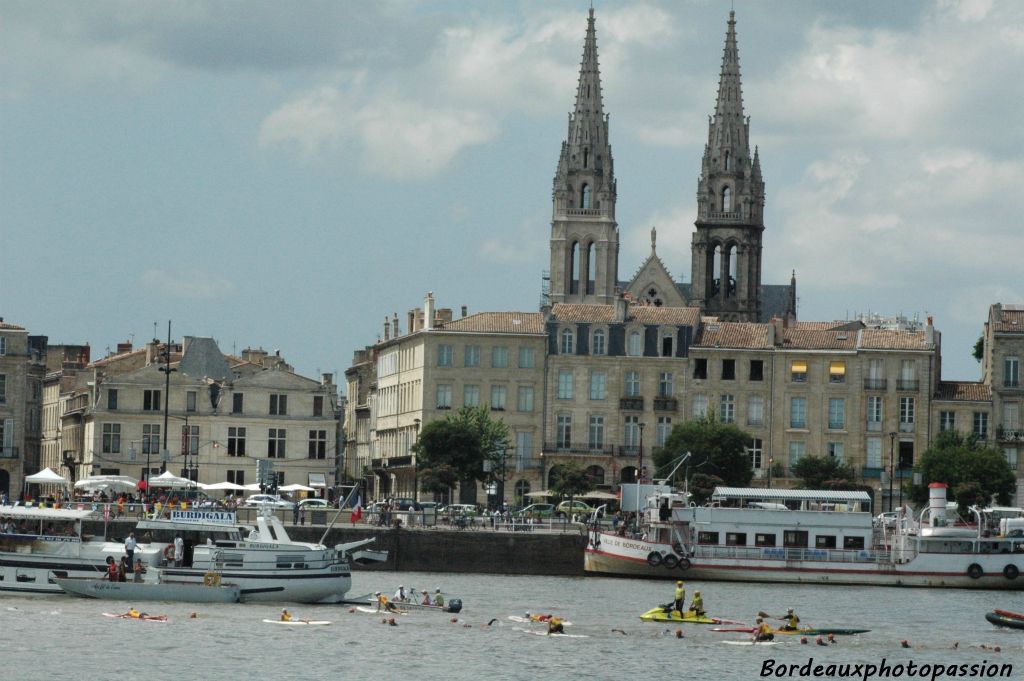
{"points": [[799, 367], [837, 368], [317, 480]]}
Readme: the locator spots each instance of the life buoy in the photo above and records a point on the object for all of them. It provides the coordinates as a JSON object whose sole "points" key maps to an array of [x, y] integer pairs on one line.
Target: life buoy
{"points": [[974, 571], [169, 552], [670, 561], [1011, 572], [211, 579], [684, 563], [654, 559]]}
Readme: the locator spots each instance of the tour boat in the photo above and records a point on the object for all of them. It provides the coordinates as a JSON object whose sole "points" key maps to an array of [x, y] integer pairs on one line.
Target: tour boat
{"points": [[808, 536]]}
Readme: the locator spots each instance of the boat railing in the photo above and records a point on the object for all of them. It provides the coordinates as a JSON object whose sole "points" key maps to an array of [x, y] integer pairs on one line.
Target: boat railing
{"points": [[792, 554]]}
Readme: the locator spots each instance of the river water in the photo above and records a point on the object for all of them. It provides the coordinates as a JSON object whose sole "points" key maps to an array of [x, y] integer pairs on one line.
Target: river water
{"points": [[60, 637]]}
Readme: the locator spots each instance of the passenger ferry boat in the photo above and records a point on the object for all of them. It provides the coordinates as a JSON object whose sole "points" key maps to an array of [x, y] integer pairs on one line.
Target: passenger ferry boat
{"points": [[809, 536]]}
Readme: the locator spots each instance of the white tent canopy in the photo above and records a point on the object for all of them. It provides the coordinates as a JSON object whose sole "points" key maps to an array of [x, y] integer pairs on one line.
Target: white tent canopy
{"points": [[543, 493], [600, 495], [295, 487], [168, 479], [105, 482], [252, 487], [46, 477], [222, 486]]}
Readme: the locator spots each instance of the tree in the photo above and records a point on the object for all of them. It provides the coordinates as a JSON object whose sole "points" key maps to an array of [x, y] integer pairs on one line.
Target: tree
{"points": [[959, 461], [979, 348], [814, 471], [702, 486], [493, 437], [570, 480], [455, 448], [718, 448]]}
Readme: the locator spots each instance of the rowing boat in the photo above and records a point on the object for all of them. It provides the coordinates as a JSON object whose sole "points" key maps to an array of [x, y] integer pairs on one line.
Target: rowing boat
{"points": [[751, 643], [809, 631], [1004, 621], [299, 622], [659, 615], [1008, 613]]}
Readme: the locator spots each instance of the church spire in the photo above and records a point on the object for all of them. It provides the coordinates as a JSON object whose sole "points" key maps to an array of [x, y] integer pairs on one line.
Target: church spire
{"points": [[730, 95], [588, 120]]}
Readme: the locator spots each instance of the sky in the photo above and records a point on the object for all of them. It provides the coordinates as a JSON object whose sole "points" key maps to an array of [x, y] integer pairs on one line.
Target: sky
{"points": [[285, 175]]}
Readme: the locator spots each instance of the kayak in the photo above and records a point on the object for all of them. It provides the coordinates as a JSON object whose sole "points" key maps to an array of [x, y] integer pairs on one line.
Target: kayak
{"points": [[373, 611], [528, 620], [1007, 613], [1004, 621], [751, 643], [659, 615], [816, 631], [300, 622], [144, 618], [544, 633]]}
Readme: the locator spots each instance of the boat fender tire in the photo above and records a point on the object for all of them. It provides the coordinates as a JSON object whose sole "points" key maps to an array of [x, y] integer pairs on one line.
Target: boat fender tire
{"points": [[1011, 572], [974, 571], [654, 559], [684, 563], [670, 561], [211, 579], [169, 552], [677, 547]]}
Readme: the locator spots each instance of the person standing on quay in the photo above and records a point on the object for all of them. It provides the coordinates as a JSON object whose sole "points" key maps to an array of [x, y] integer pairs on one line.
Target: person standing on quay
{"points": [[179, 550], [129, 550]]}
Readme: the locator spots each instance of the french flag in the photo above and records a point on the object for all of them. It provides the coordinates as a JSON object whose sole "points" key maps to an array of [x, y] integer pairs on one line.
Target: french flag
{"points": [[357, 510]]}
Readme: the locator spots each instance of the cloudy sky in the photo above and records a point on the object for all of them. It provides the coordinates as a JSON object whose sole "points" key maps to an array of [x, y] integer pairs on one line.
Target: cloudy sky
{"points": [[286, 174]]}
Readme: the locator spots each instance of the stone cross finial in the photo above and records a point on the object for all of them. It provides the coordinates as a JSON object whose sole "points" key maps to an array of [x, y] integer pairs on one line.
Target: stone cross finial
{"points": [[654, 237]]}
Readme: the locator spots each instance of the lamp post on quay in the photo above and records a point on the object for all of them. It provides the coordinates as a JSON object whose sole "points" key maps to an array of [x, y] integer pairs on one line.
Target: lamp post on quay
{"points": [[166, 368], [892, 470], [640, 463], [415, 462]]}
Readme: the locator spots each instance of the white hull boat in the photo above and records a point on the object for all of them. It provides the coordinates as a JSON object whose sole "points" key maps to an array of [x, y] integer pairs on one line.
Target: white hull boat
{"points": [[176, 592]]}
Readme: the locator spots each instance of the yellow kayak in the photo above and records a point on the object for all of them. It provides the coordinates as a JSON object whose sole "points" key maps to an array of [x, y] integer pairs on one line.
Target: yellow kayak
{"points": [[689, 617]]}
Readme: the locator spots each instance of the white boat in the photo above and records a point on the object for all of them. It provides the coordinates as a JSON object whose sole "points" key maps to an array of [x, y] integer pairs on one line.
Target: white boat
{"points": [[822, 537], [178, 592], [265, 563], [48, 543]]}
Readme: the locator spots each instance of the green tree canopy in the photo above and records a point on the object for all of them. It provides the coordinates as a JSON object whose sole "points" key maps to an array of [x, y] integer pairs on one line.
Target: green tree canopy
{"points": [[815, 471], [715, 448], [960, 461], [569, 480], [702, 486], [979, 348], [455, 448]]}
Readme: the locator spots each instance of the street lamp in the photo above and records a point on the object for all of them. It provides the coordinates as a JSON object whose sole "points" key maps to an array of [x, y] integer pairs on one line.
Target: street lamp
{"points": [[415, 462], [640, 464], [771, 461], [892, 471], [543, 478], [166, 368]]}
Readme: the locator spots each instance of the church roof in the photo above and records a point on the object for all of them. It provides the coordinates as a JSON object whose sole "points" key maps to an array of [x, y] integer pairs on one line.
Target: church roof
{"points": [[643, 314], [498, 322], [963, 391]]}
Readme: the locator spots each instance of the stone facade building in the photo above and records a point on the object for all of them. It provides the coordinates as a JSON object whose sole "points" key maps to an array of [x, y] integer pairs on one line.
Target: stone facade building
{"points": [[21, 400]]}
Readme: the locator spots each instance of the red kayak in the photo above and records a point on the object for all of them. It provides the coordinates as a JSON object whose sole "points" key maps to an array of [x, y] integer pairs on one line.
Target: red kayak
{"points": [[1007, 613]]}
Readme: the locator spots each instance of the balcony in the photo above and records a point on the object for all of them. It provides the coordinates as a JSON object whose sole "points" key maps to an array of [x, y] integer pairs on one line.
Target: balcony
{"points": [[578, 448], [629, 450], [1009, 435], [8, 452], [666, 404], [908, 384], [874, 384], [586, 212], [631, 403], [869, 472], [906, 427]]}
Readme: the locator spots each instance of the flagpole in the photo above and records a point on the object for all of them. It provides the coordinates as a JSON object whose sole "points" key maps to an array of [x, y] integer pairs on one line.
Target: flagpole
{"points": [[338, 514]]}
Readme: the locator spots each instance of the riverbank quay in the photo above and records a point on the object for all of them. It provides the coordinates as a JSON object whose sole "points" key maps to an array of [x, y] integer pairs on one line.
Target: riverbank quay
{"points": [[555, 552]]}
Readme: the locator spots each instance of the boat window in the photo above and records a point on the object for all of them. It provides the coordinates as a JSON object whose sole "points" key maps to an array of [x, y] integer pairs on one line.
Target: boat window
{"points": [[230, 559], [286, 561], [825, 541], [853, 543], [735, 538], [707, 537], [25, 576], [794, 539], [764, 540]]}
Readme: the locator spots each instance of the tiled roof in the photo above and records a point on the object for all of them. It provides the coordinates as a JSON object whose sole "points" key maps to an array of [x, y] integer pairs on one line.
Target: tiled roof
{"points": [[644, 314], [818, 326], [799, 339], [7, 326], [499, 322], [1011, 320], [964, 391], [715, 334], [889, 339]]}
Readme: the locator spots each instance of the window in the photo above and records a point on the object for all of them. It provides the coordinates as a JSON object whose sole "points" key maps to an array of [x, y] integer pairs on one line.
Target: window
{"points": [[499, 357], [597, 385], [472, 358], [1011, 416], [190, 400], [727, 411], [665, 384], [837, 372], [471, 396], [566, 346], [318, 444], [632, 384], [526, 360], [111, 398], [597, 344], [797, 450], [499, 396], [795, 539], [444, 396], [563, 431], [1011, 372], [236, 403], [585, 197], [908, 370], [755, 410], [735, 538], [3, 389], [636, 345], [835, 450], [662, 429], [150, 438], [524, 448], [798, 412], [237, 477], [444, 355], [726, 200], [728, 370], [565, 384], [947, 420], [150, 400], [596, 437], [3, 346], [190, 440], [524, 399], [836, 413], [700, 368], [853, 543], [874, 452], [236, 441], [764, 539], [707, 537], [275, 443], [631, 431], [756, 451], [798, 371], [874, 413], [981, 424], [111, 438], [666, 346], [318, 405], [757, 370], [907, 414], [825, 541], [1011, 456], [278, 405], [700, 406]]}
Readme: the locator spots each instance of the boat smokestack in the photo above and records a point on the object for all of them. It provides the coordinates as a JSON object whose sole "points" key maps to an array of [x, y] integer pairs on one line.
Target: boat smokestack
{"points": [[937, 504]]}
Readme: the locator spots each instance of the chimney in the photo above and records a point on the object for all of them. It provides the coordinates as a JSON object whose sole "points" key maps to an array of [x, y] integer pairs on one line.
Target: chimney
{"points": [[771, 333], [428, 311], [444, 316], [387, 328], [394, 324], [152, 351], [412, 322], [929, 332], [465, 310], [779, 327], [122, 348], [621, 308], [185, 342], [327, 379]]}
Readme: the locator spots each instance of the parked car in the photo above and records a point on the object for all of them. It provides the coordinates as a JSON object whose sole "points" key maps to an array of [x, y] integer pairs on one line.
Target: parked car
{"points": [[538, 511], [453, 511], [257, 500], [567, 508], [315, 503], [404, 504]]}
